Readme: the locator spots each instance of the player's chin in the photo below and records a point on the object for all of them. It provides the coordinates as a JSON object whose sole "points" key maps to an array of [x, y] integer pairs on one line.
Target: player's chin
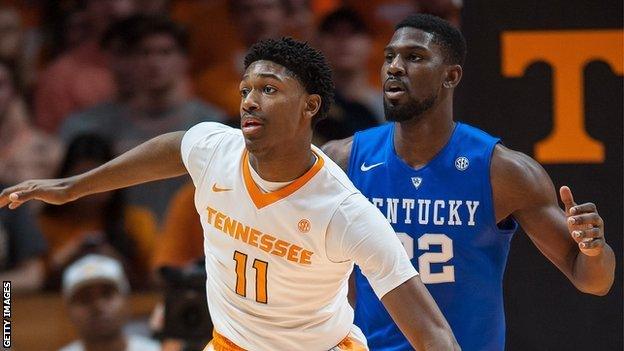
{"points": [[254, 143], [395, 98]]}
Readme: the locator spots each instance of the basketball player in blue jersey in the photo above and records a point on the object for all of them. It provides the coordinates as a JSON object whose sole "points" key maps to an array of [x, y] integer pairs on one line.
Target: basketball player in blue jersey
{"points": [[455, 196]]}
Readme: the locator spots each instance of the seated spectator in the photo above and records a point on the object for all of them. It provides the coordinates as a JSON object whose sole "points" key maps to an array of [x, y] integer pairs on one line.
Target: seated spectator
{"points": [[160, 103], [81, 77], [97, 223], [96, 291], [182, 239], [22, 248], [254, 21], [18, 45], [345, 40], [25, 153]]}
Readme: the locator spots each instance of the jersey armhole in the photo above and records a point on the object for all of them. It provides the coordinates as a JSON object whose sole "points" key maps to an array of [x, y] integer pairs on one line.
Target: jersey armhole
{"points": [[508, 225]]}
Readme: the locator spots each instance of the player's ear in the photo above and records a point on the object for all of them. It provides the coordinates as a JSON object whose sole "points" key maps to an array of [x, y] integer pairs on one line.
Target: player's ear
{"points": [[453, 76], [312, 105]]}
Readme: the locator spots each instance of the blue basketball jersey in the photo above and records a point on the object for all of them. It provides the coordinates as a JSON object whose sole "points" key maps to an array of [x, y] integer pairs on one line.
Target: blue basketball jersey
{"points": [[444, 215]]}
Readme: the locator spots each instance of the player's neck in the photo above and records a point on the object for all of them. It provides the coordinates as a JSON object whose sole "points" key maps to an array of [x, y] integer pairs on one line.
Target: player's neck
{"points": [[283, 164], [418, 141], [118, 343]]}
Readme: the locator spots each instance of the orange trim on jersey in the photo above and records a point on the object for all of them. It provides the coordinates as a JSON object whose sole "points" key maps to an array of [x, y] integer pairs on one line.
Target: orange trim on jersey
{"points": [[262, 199], [221, 343], [351, 344]]}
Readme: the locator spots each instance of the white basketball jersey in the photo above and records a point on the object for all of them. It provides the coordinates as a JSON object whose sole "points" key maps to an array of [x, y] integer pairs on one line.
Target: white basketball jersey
{"points": [[270, 284]]}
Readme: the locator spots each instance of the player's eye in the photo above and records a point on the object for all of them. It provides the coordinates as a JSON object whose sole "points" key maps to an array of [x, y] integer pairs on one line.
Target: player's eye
{"points": [[389, 58], [244, 92], [414, 58], [268, 89]]}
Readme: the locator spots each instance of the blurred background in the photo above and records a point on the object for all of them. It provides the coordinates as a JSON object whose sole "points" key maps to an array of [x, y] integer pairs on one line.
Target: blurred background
{"points": [[82, 81]]}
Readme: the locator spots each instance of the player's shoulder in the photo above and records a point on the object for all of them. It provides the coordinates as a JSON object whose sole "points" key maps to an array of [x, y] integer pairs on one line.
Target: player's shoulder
{"points": [[515, 172], [339, 151]]}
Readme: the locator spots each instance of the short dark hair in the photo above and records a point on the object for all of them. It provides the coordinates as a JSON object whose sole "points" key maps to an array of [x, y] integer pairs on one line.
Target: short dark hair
{"points": [[302, 61], [329, 24], [445, 34], [129, 32]]}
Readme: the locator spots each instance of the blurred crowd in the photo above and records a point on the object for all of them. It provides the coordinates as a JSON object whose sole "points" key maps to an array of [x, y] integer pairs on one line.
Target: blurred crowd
{"points": [[82, 81]]}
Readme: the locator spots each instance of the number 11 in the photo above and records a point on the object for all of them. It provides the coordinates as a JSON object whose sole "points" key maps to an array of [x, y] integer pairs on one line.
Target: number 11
{"points": [[261, 268]]}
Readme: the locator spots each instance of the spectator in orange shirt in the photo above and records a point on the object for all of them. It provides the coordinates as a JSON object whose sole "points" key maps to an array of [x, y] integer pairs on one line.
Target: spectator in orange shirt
{"points": [[101, 223], [80, 77]]}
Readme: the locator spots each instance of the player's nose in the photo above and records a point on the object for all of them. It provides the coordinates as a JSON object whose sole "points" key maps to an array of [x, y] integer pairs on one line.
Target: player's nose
{"points": [[396, 67], [250, 102]]}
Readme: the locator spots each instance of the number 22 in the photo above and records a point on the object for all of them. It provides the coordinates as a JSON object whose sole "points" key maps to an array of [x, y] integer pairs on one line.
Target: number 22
{"points": [[261, 268], [425, 260]]}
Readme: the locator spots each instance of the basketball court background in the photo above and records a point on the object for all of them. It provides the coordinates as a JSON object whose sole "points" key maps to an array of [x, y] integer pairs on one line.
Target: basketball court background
{"points": [[544, 311]]}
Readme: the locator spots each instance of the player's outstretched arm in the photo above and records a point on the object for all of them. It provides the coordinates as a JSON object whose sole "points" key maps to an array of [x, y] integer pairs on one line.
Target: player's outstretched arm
{"points": [[572, 238], [158, 158], [417, 315]]}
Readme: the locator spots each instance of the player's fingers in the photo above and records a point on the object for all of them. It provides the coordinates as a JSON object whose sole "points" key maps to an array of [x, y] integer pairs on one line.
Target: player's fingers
{"points": [[22, 196], [592, 247], [566, 197], [592, 218], [6, 196], [583, 208], [593, 233], [15, 204]]}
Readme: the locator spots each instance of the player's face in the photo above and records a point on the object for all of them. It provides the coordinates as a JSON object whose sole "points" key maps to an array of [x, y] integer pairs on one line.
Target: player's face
{"points": [[412, 74], [97, 311], [272, 106]]}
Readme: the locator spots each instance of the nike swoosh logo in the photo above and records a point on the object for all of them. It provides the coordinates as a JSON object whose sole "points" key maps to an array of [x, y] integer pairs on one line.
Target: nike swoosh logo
{"points": [[216, 189], [365, 168]]}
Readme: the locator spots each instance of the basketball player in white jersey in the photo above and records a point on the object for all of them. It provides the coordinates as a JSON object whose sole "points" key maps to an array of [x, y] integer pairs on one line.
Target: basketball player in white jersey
{"points": [[282, 223]]}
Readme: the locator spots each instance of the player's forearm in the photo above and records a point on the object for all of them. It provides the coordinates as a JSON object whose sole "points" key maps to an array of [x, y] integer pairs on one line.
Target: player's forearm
{"points": [[419, 318], [158, 158], [595, 274]]}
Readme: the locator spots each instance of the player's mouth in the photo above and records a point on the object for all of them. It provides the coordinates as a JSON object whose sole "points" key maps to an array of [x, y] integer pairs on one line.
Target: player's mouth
{"points": [[394, 89], [251, 125]]}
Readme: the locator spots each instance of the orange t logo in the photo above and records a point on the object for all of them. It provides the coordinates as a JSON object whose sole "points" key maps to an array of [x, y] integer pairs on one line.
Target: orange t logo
{"points": [[568, 52]]}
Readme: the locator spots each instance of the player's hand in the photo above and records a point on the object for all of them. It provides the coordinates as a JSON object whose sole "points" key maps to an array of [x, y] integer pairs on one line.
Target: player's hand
{"points": [[52, 191], [584, 224]]}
